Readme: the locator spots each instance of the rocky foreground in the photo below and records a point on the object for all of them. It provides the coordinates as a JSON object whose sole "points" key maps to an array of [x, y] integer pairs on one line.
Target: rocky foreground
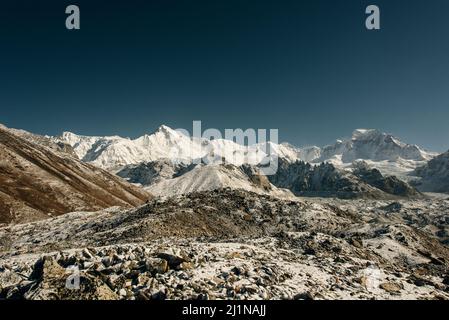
{"points": [[228, 244]]}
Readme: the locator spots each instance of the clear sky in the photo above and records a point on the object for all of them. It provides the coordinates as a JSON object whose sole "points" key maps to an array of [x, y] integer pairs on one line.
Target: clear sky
{"points": [[307, 67]]}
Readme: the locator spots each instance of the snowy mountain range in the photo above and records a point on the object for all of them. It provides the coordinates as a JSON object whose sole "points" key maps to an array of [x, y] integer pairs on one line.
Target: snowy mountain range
{"points": [[114, 152], [163, 162], [381, 150], [70, 169]]}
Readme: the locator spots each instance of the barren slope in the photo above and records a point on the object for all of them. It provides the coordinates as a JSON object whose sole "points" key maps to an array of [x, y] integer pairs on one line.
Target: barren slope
{"points": [[35, 183]]}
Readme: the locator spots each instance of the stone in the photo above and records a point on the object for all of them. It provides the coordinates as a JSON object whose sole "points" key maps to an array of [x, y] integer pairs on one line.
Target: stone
{"points": [[50, 284], [363, 281], [159, 295], [107, 261], [117, 258], [9, 278], [116, 281], [309, 251], [122, 292], [304, 296], [237, 270], [185, 266], [234, 255], [87, 254], [251, 289], [46, 267], [141, 295], [172, 259], [156, 265], [183, 276], [420, 281], [142, 279], [391, 287], [13, 293], [203, 296], [356, 243]]}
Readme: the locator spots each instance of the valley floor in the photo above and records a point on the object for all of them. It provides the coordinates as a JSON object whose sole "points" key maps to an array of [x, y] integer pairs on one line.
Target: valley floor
{"points": [[228, 244]]}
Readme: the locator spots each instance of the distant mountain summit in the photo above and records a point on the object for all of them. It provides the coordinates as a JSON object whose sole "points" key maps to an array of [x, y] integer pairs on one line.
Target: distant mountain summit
{"points": [[113, 153], [371, 144]]}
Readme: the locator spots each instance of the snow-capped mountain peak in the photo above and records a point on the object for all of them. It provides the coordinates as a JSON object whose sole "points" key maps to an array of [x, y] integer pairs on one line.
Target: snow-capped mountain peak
{"points": [[70, 137], [366, 134], [371, 145], [166, 129], [82, 145], [165, 142]]}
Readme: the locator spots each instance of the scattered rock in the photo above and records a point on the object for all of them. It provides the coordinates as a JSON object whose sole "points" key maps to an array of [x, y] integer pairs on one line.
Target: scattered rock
{"points": [[172, 259], [197, 247], [391, 287], [185, 266], [304, 296], [393, 207], [157, 265], [356, 242]]}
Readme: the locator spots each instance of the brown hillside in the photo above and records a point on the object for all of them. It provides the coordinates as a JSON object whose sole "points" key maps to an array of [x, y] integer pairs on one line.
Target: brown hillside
{"points": [[36, 182]]}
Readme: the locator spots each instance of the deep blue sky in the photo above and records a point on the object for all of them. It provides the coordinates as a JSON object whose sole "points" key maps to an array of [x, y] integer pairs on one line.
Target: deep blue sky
{"points": [[307, 67]]}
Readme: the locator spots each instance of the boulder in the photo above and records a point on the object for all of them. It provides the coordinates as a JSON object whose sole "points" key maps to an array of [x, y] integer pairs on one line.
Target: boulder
{"points": [[156, 265], [391, 287]]}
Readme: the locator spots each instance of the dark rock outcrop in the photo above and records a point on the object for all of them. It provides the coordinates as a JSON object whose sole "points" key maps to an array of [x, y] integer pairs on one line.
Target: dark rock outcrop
{"points": [[434, 175], [389, 184], [323, 180], [148, 173]]}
